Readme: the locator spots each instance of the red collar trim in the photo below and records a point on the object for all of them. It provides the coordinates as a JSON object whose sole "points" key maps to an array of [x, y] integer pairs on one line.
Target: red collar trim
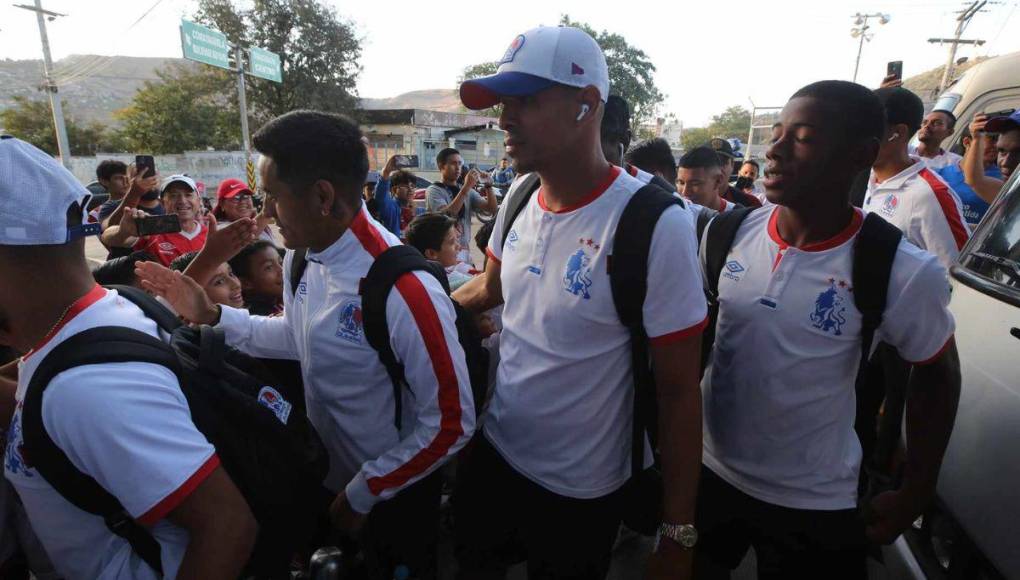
{"points": [[721, 206], [632, 170], [840, 238], [614, 172], [94, 295]]}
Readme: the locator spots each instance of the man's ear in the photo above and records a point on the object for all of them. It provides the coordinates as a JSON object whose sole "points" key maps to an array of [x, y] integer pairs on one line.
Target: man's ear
{"points": [[431, 254]]}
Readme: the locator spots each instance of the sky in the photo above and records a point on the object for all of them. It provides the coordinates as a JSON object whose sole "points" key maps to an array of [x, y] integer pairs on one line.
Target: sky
{"points": [[708, 55]]}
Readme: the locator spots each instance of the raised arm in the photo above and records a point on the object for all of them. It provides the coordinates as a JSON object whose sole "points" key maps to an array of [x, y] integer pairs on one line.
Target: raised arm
{"points": [[973, 163]]}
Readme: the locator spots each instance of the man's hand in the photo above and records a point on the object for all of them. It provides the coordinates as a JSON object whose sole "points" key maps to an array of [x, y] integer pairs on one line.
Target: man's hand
{"points": [[471, 179], [183, 293], [390, 167], [891, 81], [222, 244], [129, 222], [344, 517], [977, 125], [669, 561], [893, 512], [262, 221]]}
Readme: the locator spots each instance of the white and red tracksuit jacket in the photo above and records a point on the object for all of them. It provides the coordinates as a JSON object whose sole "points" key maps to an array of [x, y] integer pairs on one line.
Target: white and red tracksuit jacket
{"points": [[349, 395]]}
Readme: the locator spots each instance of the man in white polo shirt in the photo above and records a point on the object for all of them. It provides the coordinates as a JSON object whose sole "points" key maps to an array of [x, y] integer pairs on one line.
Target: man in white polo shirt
{"points": [[544, 481], [906, 191], [127, 425], [935, 128], [781, 455]]}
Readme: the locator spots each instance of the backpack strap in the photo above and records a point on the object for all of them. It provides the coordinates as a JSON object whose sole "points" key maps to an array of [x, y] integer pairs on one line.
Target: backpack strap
{"points": [[94, 346], [701, 222], [375, 289], [153, 309], [517, 199], [874, 254], [663, 184], [628, 279], [298, 265], [718, 240]]}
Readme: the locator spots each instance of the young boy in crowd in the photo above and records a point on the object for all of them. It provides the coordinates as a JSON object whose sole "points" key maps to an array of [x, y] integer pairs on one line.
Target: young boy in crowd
{"points": [[259, 267], [222, 288], [435, 236]]}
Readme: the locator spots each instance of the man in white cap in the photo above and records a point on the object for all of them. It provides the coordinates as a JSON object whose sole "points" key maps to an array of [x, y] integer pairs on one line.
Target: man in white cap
{"points": [[545, 482], [126, 425], [179, 195]]}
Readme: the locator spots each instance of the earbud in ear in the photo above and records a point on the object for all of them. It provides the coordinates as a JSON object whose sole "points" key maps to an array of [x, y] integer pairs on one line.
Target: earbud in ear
{"points": [[584, 111], [894, 136]]}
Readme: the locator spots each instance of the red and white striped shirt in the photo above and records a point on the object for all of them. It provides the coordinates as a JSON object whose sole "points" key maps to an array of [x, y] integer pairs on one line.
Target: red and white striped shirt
{"points": [[349, 395], [924, 207]]}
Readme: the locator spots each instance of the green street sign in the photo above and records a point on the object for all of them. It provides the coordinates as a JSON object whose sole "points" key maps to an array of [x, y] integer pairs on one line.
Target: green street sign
{"points": [[205, 45], [265, 65]]}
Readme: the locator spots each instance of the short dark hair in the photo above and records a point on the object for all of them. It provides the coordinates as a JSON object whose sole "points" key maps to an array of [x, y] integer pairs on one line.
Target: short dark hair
{"points": [[751, 162], [120, 271], [483, 235], [426, 232], [444, 155], [858, 108], [616, 120], [652, 155], [181, 263], [241, 263], [310, 145], [952, 117], [402, 177], [700, 158], [110, 167], [902, 107]]}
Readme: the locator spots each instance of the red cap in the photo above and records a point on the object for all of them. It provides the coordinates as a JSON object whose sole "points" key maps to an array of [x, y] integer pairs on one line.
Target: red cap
{"points": [[231, 188]]}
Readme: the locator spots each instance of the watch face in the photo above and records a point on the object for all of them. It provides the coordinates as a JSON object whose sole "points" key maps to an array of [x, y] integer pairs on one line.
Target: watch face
{"points": [[688, 536]]}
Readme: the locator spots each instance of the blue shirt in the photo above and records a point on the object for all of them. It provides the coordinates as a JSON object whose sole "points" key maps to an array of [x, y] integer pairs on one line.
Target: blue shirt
{"points": [[974, 207], [389, 210]]}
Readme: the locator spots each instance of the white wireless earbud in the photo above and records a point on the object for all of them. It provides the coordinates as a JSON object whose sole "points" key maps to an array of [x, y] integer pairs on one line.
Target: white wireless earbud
{"points": [[894, 136], [584, 111]]}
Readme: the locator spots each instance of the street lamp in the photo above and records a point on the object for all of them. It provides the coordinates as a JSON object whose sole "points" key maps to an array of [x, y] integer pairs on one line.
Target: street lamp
{"points": [[860, 30]]}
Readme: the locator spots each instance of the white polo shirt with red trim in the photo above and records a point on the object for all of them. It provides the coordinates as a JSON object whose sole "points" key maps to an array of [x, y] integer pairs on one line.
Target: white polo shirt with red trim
{"points": [[639, 174], [562, 407], [919, 202], [128, 426], [348, 394], [779, 394]]}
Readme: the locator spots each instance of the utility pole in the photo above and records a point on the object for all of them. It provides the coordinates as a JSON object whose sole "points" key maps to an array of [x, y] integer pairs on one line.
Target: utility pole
{"points": [[242, 103], [961, 24], [861, 29], [51, 87]]}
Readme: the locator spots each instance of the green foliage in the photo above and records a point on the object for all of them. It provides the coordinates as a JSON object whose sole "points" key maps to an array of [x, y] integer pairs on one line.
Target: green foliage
{"points": [[630, 72], [477, 70], [319, 53], [734, 122], [187, 110], [31, 120]]}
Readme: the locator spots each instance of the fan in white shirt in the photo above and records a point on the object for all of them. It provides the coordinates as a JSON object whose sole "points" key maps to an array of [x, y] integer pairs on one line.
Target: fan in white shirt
{"points": [[698, 179], [935, 128]]}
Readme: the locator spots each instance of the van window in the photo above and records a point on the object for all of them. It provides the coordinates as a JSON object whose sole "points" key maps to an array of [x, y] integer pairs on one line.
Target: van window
{"points": [[947, 102], [994, 253]]}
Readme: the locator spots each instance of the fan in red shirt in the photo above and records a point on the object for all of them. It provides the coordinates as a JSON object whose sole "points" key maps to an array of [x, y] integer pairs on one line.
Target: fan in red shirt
{"points": [[179, 196]]}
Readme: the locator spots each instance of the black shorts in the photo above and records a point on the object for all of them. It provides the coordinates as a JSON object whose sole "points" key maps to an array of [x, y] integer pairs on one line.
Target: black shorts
{"points": [[502, 518], [788, 543]]}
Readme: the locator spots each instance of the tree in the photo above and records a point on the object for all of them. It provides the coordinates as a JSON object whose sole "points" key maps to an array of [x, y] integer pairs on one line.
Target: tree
{"points": [[187, 110], [630, 72], [732, 123], [31, 120], [474, 71], [318, 51]]}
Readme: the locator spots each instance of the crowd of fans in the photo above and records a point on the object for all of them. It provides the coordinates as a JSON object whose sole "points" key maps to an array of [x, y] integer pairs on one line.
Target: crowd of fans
{"points": [[755, 445]]}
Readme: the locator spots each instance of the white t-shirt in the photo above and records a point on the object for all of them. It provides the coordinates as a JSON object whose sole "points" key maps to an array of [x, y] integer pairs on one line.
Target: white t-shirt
{"points": [[129, 427], [919, 202], [943, 159], [779, 394], [561, 411]]}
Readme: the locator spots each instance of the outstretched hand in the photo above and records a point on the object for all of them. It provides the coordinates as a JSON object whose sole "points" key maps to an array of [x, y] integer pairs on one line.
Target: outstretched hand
{"points": [[184, 294], [222, 244]]}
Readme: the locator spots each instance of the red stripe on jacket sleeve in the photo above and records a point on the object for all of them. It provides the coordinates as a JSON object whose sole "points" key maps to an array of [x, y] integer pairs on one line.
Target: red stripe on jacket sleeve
{"points": [[492, 256], [450, 429], [935, 356], [170, 502], [949, 209], [369, 237]]}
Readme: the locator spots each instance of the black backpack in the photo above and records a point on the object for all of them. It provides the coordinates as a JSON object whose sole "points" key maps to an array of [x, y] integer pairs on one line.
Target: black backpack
{"points": [[274, 457], [628, 280], [375, 288], [874, 253]]}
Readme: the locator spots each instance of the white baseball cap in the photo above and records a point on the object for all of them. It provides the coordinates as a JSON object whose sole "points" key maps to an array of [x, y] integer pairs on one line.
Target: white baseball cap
{"points": [[535, 61], [36, 193], [178, 178]]}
